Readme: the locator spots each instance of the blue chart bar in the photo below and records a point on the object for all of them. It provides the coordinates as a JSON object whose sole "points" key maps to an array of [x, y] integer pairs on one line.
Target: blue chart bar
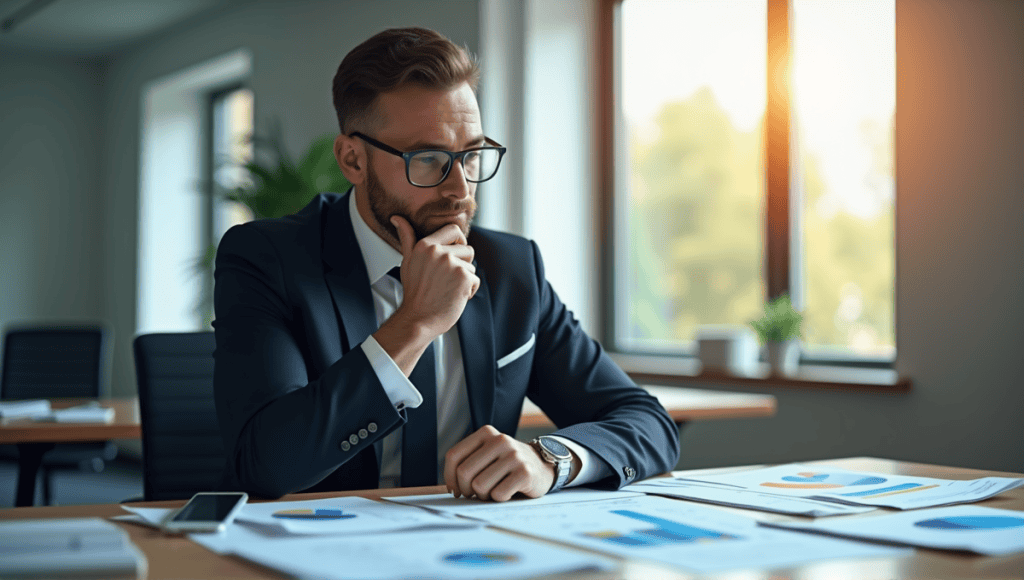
{"points": [[666, 532], [900, 487], [972, 523]]}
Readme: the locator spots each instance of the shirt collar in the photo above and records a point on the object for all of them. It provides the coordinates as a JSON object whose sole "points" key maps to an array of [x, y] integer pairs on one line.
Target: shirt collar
{"points": [[378, 255]]}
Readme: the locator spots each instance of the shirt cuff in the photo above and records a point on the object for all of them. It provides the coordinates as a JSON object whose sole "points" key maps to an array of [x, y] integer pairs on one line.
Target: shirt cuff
{"points": [[397, 386], [591, 469]]}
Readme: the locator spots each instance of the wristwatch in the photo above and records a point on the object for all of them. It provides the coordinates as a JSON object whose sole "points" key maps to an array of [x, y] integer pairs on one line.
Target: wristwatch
{"points": [[554, 452]]}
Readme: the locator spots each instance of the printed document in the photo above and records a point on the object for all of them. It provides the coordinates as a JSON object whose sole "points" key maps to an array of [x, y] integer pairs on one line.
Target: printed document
{"points": [[682, 534], [983, 530], [452, 554], [344, 515]]}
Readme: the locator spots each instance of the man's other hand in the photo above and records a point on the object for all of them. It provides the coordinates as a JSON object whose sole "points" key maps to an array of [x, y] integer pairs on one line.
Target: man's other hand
{"points": [[493, 466]]}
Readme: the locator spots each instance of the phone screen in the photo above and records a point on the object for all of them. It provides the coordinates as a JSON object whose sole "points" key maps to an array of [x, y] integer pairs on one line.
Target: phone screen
{"points": [[207, 508]]}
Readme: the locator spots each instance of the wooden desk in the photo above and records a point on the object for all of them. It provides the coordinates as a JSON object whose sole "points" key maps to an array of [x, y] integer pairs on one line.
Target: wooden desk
{"points": [[682, 405], [177, 557], [35, 438]]}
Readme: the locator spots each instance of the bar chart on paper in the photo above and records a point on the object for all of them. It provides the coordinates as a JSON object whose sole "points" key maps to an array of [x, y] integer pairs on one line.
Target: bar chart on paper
{"points": [[313, 514], [664, 532]]}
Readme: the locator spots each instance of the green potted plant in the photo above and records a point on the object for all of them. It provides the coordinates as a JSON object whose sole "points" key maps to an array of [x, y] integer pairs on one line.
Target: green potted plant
{"points": [[275, 189], [779, 331]]}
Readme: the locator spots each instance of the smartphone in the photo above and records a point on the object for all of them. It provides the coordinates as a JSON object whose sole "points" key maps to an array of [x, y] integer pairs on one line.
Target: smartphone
{"points": [[209, 511]]}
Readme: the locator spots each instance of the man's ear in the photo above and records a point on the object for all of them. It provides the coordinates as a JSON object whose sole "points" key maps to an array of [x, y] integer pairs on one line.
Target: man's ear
{"points": [[351, 157]]}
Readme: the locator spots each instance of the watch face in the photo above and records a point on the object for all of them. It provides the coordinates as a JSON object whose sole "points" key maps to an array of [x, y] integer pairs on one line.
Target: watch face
{"points": [[554, 447]]}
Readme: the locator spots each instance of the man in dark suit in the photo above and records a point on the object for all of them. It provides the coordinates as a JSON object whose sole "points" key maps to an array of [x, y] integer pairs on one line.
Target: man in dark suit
{"points": [[372, 339]]}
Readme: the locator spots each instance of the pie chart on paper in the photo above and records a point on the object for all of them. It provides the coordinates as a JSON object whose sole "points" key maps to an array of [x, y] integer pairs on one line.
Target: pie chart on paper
{"points": [[816, 480], [313, 514]]}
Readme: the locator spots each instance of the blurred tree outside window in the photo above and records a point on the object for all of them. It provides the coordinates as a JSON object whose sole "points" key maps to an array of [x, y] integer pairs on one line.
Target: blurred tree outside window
{"points": [[690, 224]]}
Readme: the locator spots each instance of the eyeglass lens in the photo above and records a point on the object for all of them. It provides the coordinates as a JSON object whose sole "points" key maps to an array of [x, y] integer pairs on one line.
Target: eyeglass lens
{"points": [[429, 168]]}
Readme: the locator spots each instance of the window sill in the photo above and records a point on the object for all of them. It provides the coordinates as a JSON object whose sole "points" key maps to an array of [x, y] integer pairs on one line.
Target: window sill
{"points": [[686, 371]]}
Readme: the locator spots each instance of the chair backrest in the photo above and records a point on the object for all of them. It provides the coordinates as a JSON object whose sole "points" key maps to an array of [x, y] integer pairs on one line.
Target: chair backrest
{"points": [[54, 361], [182, 448]]}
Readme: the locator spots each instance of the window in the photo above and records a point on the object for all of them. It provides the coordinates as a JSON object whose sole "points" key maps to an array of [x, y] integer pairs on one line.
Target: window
{"points": [[230, 124], [733, 183], [175, 219]]}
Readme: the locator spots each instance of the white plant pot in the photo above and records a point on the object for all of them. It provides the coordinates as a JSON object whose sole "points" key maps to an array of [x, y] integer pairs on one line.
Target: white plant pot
{"points": [[783, 357]]}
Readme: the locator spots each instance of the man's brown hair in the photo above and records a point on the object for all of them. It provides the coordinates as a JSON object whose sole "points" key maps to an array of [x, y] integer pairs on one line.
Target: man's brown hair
{"points": [[393, 58]]}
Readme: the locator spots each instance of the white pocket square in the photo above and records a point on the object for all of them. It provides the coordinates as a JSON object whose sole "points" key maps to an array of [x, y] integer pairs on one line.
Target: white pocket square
{"points": [[517, 352]]}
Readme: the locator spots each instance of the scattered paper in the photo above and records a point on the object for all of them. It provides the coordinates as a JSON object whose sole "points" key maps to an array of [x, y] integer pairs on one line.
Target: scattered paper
{"points": [[690, 536], [861, 488], [984, 530], [744, 498], [344, 515], [455, 554]]}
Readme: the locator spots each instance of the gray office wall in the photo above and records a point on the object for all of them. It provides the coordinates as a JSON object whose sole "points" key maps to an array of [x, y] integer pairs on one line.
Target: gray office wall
{"points": [[296, 47], [51, 255], [960, 265]]}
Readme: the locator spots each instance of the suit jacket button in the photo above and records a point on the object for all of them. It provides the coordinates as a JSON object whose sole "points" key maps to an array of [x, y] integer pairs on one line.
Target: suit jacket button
{"points": [[372, 427], [353, 439], [629, 471], [363, 434], [345, 446]]}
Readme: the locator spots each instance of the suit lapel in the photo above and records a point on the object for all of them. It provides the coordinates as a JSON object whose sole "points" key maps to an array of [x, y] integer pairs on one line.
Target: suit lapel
{"points": [[345, 274], [476, 335]]}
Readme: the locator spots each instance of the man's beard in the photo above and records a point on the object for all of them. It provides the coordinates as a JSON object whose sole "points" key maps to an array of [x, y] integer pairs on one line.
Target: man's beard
{"points": [[383, 205]]}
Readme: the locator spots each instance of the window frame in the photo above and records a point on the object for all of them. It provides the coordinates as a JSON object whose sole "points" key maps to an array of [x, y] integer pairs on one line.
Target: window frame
{"points": [[208, 227], [782, 235]]}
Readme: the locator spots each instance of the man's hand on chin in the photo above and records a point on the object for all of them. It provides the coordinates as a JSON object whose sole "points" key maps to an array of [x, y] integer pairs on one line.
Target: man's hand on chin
{"points": [[493, 466]]}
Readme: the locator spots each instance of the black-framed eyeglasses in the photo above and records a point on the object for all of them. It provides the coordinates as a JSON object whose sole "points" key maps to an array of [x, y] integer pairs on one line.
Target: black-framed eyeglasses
{"points": [[430, 167]]}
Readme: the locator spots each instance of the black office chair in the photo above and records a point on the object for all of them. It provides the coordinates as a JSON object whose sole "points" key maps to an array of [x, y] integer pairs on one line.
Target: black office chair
{"points": [[52, 362], [182, 449]]}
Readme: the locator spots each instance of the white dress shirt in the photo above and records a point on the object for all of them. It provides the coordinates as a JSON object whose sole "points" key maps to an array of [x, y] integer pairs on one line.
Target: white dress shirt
{"points": [[453, 418]]}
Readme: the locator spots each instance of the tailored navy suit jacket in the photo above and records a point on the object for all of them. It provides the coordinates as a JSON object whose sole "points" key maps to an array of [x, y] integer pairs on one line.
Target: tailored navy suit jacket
{"points": [[293, 304]]}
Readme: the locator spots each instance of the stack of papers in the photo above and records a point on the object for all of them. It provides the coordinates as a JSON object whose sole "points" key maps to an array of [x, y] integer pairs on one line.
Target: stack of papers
{"points": [[89, 413], [40, 410], [859, 488], [78, 547], [28, 408]]}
